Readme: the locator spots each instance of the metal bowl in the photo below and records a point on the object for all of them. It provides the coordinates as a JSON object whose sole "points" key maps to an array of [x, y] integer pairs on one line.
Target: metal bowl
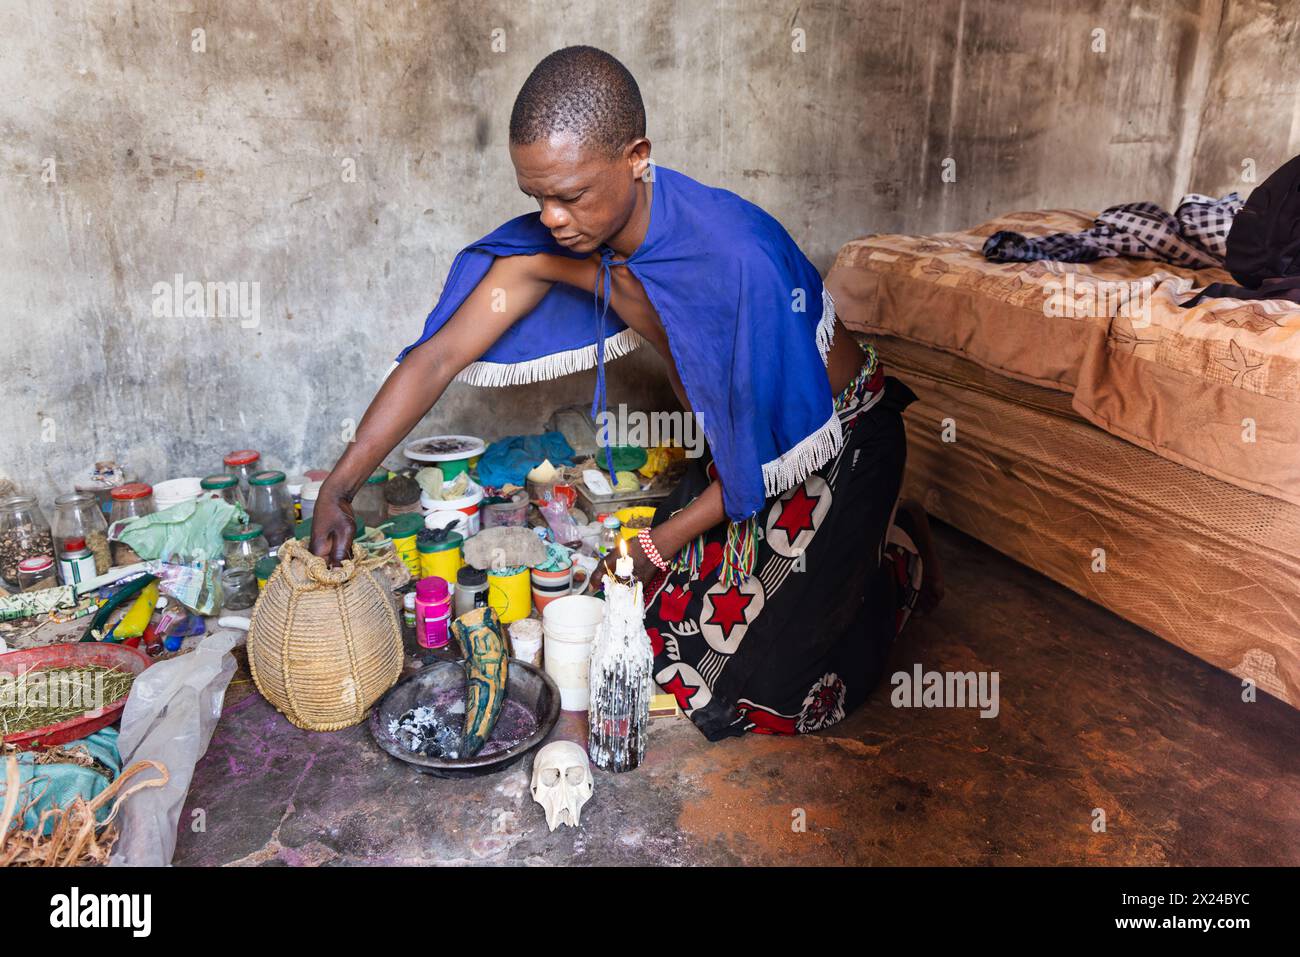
{"points": [[526, 685]]}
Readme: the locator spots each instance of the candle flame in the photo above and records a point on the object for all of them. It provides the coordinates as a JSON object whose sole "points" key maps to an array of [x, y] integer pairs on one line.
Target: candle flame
{"points": [[622, 547]]}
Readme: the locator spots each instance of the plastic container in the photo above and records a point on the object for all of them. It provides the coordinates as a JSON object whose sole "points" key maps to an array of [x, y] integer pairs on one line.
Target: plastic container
{"points": [[264, 569], [569, 626], [432, 612], [459, 514], [526, 641], [510, 592], [610, 533], [129, 501], [244, 546], [37, 571], [78, 518], [270, 506], [76, 562], [404, 530], [471, 589], [177, 490], [442, 558], [453, 454], [24, 533], [310, 492], [223, 487], [295, 484], [243, 464], [368, 504], [626, 515], [513, 512]]}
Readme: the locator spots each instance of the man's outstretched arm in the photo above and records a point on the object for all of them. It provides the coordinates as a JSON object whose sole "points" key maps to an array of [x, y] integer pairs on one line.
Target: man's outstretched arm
{"points": [[510, 289]]}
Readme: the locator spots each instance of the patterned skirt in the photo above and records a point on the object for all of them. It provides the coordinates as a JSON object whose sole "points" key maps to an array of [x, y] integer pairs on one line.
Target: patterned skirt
{"points": [[804, 639]]}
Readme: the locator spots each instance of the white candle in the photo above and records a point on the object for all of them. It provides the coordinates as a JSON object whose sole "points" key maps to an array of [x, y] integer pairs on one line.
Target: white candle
{"points": [[623, 567]]}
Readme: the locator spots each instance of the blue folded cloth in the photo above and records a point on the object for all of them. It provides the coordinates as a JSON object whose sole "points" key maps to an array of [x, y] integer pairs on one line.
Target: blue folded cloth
{"points": [[509, 460], [45, 786]]}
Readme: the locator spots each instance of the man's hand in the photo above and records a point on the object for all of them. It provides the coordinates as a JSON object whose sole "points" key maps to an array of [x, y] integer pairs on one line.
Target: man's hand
{"points": [[333, 526]]}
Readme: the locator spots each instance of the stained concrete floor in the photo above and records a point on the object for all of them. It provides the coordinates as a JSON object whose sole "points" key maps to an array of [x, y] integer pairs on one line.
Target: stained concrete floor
{"points": [[1094, 713]]}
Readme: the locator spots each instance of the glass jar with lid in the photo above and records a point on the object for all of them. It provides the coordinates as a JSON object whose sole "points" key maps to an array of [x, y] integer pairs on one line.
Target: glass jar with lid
{"points": [[78, 518], [36, 572], [270, 506], [225, 487], [243, 547], [242, 464], [24, 533], [368, 504], [129, 501], [238, 589]]}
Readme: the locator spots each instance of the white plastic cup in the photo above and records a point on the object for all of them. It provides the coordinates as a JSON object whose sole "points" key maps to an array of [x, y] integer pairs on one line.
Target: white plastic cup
{"points": [[526, 640], [460, 514], [310, 492], [569, 626], [174, 491]]}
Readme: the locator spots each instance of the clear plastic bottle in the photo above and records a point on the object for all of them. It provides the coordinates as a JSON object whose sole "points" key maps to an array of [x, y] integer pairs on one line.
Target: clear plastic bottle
{"points": [[270, 506], [609, 535]]}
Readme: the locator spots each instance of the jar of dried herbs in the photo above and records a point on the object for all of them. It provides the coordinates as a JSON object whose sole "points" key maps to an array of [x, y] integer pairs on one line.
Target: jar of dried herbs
{"points": [[78, 517], [24, 533], [244, 546], [129, 501]]}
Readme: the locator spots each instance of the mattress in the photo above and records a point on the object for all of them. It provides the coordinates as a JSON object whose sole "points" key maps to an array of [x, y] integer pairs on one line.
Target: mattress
{"points": [[1204, 564], [1215, 388]]}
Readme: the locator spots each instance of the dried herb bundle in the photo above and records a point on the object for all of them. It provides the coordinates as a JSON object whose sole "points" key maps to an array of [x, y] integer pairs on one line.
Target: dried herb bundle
{"points": [[76, 838]]}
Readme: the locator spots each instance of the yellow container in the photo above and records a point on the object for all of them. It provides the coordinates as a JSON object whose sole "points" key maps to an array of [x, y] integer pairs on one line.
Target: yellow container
{"points": [[443, 559], [637, 511], [510, 592]]}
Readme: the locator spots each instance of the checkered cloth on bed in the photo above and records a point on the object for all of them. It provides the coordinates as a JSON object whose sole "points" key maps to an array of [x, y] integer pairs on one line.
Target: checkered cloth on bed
{"points": [[1195, 235]]}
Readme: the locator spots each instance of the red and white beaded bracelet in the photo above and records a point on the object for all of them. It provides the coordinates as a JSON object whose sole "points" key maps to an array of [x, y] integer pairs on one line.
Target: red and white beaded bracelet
{"points": [[652, 553]]}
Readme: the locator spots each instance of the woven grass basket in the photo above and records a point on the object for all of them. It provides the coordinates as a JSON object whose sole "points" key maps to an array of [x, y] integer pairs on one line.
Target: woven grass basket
{"points": [[325, 643]]}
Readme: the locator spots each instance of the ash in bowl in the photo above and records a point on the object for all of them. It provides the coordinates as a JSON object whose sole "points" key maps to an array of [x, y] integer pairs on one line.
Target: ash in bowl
{"points": [[434, 729]]}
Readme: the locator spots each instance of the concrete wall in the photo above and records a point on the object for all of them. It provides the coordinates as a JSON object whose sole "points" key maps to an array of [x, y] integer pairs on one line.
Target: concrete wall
{"points": [[128, 156]]}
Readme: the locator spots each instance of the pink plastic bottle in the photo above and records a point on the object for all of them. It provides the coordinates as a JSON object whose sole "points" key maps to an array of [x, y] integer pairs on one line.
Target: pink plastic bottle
{"points": [[432, 612]]}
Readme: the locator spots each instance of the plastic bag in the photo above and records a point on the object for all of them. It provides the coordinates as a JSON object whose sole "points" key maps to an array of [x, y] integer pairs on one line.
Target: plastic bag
{"points": [[187, 530], [560, 522], [197, 586], [169, 717]]}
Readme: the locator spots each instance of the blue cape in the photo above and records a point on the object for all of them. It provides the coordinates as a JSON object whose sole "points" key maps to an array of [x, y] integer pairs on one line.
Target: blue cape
{"points": [[748, 322]]}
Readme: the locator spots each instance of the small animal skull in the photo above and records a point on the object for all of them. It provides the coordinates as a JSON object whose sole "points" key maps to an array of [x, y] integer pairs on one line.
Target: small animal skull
{"points": [[562, 782]]}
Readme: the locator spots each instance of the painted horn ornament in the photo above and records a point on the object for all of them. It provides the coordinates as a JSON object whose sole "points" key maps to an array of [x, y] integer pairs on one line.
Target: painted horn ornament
{"points": [[486, 662]]}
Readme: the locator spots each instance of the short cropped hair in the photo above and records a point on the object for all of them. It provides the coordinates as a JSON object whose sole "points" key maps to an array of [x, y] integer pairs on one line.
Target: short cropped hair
{"points": [[583, 92]]}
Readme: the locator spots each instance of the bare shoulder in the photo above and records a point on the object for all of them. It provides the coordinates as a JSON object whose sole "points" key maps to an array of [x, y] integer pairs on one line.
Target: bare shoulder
{"points": [[551, 268]]}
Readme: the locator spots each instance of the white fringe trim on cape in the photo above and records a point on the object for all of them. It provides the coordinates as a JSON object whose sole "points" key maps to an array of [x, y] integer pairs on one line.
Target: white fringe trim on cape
{"points": [[547, 367], [826, 326], [808, 456]]}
